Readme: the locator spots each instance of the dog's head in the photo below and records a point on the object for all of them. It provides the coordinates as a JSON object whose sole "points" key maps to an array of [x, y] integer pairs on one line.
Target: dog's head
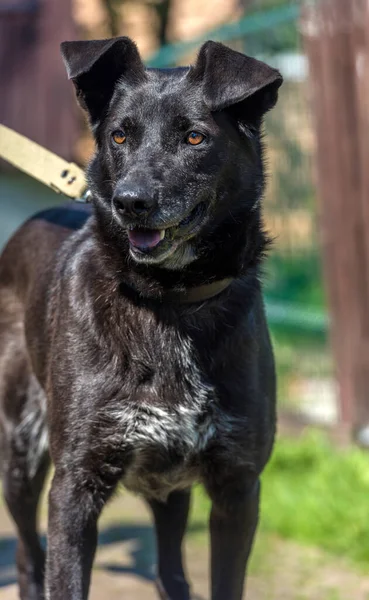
{"points": [[177, 150]]}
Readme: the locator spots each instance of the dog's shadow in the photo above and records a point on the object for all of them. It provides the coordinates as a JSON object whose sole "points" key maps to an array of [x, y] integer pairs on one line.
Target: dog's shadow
{"points": [[141, 550]]}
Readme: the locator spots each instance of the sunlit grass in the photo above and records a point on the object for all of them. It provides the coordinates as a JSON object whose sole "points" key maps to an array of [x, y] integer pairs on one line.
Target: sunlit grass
{"points": [[316, 494]]}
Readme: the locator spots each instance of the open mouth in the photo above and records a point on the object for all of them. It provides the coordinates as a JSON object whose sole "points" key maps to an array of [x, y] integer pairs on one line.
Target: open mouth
{"points": [[146, 240]]}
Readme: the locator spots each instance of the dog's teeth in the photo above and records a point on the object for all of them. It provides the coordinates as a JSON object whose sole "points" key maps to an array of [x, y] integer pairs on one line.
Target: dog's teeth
{"points": [[162, 234]]}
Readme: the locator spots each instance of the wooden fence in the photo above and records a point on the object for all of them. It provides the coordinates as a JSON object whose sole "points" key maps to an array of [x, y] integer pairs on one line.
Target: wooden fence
{"points": [[336, 34], [36, 99]]}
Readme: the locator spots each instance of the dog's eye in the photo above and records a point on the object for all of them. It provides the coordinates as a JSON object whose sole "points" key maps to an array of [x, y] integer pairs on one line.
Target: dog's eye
{"points": [[195, 138], [118, 136]]}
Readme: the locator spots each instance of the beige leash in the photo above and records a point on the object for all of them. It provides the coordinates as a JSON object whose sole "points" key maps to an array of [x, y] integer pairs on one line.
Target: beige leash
{"points": [[60, 175]]}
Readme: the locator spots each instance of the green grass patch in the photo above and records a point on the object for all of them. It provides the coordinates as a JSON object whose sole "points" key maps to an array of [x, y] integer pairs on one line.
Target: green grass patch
{"points": [[314, 493]]}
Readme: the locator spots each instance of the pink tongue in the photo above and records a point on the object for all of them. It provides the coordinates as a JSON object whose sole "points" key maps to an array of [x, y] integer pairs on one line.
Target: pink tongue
{"points": [[148, 238]]}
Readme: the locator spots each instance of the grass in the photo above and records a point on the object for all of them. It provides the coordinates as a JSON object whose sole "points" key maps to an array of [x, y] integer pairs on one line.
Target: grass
{"points": [[315, 494]]}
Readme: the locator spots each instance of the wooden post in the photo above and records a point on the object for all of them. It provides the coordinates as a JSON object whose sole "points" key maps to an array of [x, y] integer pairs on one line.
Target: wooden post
{"points": [[336, 34], [36, 98]]}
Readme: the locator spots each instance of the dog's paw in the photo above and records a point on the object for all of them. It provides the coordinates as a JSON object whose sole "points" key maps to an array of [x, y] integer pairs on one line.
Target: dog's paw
{"points": [[164, 596], [161, 591]]}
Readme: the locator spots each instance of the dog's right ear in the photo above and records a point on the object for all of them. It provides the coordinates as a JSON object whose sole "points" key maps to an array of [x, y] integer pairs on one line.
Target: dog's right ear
{"points": [[95, 67], [231, 80]]}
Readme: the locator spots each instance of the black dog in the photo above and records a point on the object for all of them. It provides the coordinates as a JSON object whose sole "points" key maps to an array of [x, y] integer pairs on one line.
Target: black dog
{"points": [[138, 332]]}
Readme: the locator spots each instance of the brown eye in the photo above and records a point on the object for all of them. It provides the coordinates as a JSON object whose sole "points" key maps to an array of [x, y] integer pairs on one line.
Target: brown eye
{"points": [[194, 138], [118, 136]]}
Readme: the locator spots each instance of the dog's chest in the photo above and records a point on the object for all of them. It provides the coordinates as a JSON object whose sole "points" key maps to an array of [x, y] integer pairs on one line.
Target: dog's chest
{"points": [[168, 423], [167, 447]]}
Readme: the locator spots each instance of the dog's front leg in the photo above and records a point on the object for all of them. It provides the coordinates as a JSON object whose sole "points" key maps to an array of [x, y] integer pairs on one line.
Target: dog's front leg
{"points": [[74, 506], [233, 521], [170, 524]]}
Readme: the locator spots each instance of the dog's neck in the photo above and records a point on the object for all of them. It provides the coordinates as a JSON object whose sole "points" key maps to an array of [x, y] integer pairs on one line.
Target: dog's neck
{"points": [[232, 251], [193, 295]]}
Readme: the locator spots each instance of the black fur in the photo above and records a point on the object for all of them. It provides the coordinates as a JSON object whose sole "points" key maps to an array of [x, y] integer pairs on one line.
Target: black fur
{"points": [[136, 387]]}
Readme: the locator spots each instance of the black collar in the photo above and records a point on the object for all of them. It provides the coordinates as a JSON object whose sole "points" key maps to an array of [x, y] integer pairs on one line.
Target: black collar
{"points": [[198, 293], [192, 295]]}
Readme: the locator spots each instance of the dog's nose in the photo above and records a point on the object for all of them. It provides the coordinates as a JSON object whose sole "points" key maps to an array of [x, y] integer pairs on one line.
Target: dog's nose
{"points": [[135, 201]]}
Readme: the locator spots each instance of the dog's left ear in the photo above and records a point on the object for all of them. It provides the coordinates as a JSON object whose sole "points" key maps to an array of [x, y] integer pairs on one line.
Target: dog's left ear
{"points": [[96, 66], [229, 78]]}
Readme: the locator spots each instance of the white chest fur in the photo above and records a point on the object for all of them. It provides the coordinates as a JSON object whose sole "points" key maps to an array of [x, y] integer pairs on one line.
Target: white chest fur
{"points": [[180, 426]]}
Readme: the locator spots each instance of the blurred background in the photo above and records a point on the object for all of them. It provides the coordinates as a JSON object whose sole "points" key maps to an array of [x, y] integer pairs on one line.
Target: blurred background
{"points": [[314, 539]]}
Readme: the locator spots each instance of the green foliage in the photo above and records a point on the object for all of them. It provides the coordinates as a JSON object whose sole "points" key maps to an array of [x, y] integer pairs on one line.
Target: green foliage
{"points": [[295, 278], [296, 305], [315, 494], [293, 169], [283, 38]]}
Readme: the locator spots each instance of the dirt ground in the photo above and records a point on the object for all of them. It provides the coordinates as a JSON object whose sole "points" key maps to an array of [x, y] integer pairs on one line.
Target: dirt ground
{"points": [[124, 567]]}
